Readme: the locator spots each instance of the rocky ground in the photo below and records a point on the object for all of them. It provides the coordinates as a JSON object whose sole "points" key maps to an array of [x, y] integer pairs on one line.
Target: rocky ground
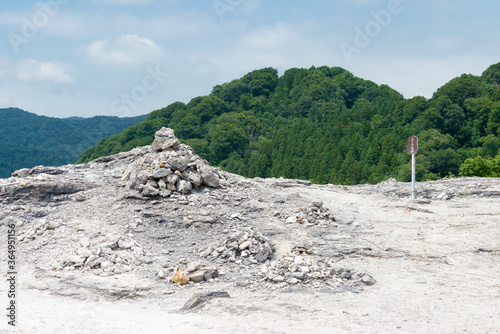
{"points": [[101, 246]]}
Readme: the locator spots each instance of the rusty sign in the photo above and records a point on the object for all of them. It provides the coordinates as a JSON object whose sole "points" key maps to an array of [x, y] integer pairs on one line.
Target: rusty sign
{"points": [[412, 145]]}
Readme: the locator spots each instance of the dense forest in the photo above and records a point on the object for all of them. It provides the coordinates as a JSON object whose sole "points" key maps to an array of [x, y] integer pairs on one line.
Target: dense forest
{"points": [[27, 140], [328, 126]]}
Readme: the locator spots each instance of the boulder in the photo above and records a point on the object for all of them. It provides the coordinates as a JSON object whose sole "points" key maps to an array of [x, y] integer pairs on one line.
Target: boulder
{"points": [[197, 276], [178, 163], [209, 177], [193, 177], [164, 140]]}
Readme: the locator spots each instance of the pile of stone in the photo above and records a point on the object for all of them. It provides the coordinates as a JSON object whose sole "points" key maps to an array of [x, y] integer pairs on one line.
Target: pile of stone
{"points": [[246, 246], [107, 259], [170, 167], [38, 228], [305, 269], [313, 214]]}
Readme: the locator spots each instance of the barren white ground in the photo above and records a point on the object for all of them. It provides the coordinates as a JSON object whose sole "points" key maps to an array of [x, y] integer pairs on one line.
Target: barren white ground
{"points": [[436, 263]]}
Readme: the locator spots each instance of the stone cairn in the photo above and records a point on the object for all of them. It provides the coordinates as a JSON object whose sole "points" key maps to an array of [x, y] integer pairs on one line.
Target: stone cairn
{"points": [[170, 167]]}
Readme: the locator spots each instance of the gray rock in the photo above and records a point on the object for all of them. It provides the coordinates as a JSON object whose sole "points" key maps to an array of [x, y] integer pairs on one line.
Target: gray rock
{"points": [[197, 276], [41, 189], [25, 172], [278, 279], [149, 191], [254, 249], [209, 274], [172, 179], [368, 280], [74, 260], [152, 183], [444, 196], [317, 204], [200, 298], [164, 140], [209, 177], [193, 177], [297, 275], [107, 265], [244, 245], [162, 184], [193, 266], [165, 193], [263, 255], [204, 219], [163, 172], [178, 163], [126, 244], [184, 186], [292, 289]]}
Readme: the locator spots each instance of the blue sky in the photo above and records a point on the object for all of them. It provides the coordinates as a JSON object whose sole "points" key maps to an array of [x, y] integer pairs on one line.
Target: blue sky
{"points": [[122, 58]]}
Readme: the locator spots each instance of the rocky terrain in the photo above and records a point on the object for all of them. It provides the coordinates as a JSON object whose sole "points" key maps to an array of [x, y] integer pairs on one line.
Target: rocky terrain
{"points": [[156, 240]]}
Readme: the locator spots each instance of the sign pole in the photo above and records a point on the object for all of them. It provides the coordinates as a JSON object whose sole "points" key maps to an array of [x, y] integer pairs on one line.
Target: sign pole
{"points": [[413, 190], [411, 148]]}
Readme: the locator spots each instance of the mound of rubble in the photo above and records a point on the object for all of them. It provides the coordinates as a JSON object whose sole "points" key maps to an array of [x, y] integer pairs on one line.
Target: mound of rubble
{"points": [[93, 226], [105, 259], [300, 268], [313, 214], [169, 167], [101, 258], [242, 247]]}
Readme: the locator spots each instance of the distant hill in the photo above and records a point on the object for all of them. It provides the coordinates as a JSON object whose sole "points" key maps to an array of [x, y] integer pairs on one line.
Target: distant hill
{"points": [[27, 140], [328, 126]]}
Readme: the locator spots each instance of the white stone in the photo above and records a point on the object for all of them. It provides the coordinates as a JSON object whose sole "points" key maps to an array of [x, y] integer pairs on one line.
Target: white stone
{"points": [[126, 244], [85, 241], [162, 184], [245, 245]]}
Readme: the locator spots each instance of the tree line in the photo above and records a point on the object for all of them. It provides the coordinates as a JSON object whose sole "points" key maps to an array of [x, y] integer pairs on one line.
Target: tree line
{"points": [[28, 140], [328, 126]]}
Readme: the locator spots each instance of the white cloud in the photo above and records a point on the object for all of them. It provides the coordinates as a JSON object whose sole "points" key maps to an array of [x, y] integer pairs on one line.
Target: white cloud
{"points": [[32, 70], [123, 50]]}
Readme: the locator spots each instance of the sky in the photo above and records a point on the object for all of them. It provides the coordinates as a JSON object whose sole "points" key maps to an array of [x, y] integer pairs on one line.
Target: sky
{"points": [[124, 58]]}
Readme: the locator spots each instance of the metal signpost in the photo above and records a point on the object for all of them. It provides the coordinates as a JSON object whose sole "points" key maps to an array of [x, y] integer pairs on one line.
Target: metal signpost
{"points": [[411, 148]]}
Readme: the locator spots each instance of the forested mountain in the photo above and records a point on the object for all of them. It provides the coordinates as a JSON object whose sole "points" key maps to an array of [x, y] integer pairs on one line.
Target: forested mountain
{"points": [[27, 140], [328, 126]]}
